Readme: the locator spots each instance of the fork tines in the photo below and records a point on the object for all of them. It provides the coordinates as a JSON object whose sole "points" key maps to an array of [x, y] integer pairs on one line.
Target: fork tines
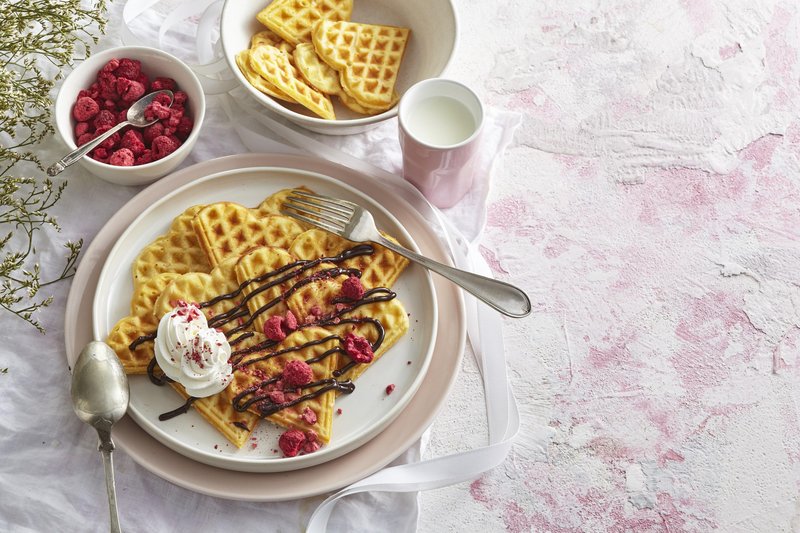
{"points": [[325, 212]]}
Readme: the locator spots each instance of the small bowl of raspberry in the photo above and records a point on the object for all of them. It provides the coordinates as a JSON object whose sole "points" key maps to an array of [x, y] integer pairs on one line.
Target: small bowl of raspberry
{"points": [[96, 96]]}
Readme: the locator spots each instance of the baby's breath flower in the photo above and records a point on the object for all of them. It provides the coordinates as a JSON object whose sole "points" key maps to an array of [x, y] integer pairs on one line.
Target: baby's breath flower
{"points": [[38, 38]]}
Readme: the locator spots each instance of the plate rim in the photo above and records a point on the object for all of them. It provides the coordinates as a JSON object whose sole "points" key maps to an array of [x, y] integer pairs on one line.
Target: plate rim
{"points": [[270, 464], [258, 487]]}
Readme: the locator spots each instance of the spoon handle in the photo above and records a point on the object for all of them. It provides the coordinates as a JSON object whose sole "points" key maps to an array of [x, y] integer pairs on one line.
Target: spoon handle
{"points": [[106, 447], [73, 156]]}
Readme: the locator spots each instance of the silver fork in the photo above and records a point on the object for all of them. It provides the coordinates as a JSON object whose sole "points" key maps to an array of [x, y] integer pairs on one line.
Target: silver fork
{"points": [[354, 223]]}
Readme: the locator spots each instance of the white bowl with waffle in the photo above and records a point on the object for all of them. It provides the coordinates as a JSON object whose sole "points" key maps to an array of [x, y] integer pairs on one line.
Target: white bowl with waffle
{"points": [[428, 49]]}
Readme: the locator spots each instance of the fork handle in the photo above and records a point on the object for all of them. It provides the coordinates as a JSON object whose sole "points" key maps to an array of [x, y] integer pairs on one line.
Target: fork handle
{"points": [[503, 297]]}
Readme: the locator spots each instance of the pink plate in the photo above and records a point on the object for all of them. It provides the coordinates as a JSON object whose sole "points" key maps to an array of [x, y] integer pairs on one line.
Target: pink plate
{"points": [[334, 474]]}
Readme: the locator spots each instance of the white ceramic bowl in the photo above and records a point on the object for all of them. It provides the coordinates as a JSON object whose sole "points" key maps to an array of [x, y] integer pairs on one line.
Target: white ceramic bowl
{"points": [[155, 63], [434, 32]]}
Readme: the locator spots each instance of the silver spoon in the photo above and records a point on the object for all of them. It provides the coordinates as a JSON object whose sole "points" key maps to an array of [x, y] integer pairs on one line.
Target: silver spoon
{"points": [[100, 397], [135, 117]]}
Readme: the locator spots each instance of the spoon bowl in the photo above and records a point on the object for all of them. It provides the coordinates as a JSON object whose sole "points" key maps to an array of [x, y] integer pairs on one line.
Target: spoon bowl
{"points": [[100, 396]]}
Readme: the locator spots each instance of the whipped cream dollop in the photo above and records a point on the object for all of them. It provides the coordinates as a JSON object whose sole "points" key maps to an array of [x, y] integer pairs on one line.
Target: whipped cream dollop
{"points": [[191, 353]]}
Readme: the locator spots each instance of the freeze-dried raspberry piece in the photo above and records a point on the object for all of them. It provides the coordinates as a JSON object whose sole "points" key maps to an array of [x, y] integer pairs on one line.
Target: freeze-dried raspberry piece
{"points": [[312, 443], [156, 110], [352, 288], [297, 373], [184, 128], [146, 157], [85, 109], [100, 154], [163, 83], [290, 321], [309, 416], [133, 141], [110, 143], [129, 91], [105, 118], [291, 442], [94, 90], [276, 396], [151, 132], [180, 98], [122, 158], [109, 105], [122, 116], [272, 328], [163, 146], [84, 138], [108, 86], [163, 99], [358, 348], [174, 119], [81, 128], [128, 68], [111, 66]]}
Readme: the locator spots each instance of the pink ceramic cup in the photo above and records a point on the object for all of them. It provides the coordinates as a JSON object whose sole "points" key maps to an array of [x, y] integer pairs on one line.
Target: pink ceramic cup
{"points": [[440, 126]]}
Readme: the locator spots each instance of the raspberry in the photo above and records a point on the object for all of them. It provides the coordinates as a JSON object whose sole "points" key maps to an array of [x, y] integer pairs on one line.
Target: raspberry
{"points": [[312, 443], [122, 158], [146, 157], [111, 66], [128, 68], [108, 86], [105, 118], [129, 91], [297, 373], [358, 348], [144, 80], [276, 396], [163, 146], [109, 105], [309, 416], [111, 142], [290, 322], [85, 109], [84, 138], [81, 128], [101, 154], [156, 110], [180, 98], [389, 389], [122, 116], [272, 328], [291, 441], [352, 288], [132, 140], [94, 90], [151, 132], [175, 116], [163, 83], [162, 99]]}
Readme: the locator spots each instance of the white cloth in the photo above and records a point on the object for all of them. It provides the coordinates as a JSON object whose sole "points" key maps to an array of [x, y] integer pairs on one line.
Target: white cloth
{"points": [[51, 477]]}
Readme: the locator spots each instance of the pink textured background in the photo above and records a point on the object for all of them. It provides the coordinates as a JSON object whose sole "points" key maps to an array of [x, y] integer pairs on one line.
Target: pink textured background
{"points": [[650, 206]]}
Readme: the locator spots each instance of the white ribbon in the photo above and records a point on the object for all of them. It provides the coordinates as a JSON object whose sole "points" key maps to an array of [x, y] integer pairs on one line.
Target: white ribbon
{"points": [[483, 324]]}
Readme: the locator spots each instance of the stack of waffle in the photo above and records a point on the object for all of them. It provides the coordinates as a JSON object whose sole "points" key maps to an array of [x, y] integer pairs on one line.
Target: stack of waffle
{"points": [[245, 267], [311, 52]]}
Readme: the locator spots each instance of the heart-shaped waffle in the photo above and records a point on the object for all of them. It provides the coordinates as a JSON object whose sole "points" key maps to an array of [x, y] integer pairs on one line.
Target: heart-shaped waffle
{"points": [[255, 79], [227, 230], [367, 57], [176, 251]]}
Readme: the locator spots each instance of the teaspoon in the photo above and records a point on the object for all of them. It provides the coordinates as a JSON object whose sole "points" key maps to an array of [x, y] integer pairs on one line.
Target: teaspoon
{"points": [[135, 117], [100, 396]]}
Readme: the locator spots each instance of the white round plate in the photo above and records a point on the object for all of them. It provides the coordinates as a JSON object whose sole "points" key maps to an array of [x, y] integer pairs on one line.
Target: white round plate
{"points": [[365, 412]]}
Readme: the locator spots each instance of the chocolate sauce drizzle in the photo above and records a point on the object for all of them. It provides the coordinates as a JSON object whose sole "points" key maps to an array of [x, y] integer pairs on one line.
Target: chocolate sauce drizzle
{"points": [[345, 305]]}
